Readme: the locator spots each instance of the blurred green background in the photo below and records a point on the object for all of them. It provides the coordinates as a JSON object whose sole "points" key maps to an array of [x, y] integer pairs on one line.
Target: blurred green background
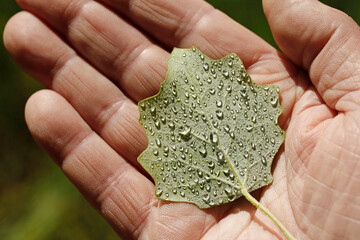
{"points": [[36, 200]]}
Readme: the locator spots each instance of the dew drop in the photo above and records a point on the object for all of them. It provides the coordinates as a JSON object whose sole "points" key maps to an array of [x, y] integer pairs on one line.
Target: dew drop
{"points": [[226, 73], [220, 156], [219, 103], [142, 105], [219, 114], [158, 142], [157, 124], [206, 66], [249, 127], [156, 152], [211, 164], [228, 191], [185, 132], [262, 128], [153, 110], [171, 125], [274, 101], [263, 160], [227, 128], [212, 91], [232, 135], [182, 194], [159, 192], [229, 88], [246, 154], [206, 198], [202, 151], [214, 138]]}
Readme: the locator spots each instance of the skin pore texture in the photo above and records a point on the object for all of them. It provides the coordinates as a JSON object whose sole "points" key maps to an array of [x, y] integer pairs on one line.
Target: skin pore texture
{"points": [[97, 59]]}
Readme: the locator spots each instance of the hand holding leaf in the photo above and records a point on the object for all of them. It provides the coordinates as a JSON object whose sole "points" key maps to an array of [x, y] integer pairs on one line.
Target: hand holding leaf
{"points": [[99, 58]]}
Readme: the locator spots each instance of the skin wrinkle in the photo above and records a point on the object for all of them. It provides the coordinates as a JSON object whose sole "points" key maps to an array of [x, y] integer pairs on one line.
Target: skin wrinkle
{"points": [[122, 67], [73, 143], [108, 186], [72, 10], [328, 217], [123, 61], [190, 23], [109, 111], [150, 8], [126, 200]]}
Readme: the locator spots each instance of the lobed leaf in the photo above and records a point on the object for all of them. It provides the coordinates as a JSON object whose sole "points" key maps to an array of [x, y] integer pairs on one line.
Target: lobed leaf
{"points": [[211, 130]]}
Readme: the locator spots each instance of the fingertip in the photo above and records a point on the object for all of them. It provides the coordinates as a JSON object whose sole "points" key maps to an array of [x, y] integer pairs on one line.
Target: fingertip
{"points": [[40, 109], [16, 32], [53, 122]]}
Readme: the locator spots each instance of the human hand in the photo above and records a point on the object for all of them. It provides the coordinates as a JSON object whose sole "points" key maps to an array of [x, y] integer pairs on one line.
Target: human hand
{"points": [[97, 65]]}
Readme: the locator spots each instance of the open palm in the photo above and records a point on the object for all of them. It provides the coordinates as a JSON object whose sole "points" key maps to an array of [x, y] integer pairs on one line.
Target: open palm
{"points": [[99, 58]]}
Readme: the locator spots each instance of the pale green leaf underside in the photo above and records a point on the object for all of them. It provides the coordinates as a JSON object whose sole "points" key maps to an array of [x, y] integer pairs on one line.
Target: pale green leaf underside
{"points": [[212, 131]]}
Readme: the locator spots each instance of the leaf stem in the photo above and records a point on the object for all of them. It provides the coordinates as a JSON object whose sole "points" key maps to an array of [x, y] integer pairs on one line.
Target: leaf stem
{"points": [[268, 213]]}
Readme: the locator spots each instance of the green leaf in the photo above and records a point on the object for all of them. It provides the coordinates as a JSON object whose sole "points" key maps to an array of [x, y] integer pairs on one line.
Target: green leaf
{"points": [[212, 132]]}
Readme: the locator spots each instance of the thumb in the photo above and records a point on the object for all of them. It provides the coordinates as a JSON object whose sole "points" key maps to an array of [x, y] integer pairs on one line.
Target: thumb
{"points": [[324, 41]]}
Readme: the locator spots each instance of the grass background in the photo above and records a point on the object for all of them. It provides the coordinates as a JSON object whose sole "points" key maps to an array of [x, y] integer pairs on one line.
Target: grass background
{"points": [[36, 200]]}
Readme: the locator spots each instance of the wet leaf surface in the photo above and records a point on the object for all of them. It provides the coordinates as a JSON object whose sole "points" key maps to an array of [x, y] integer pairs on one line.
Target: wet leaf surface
{"points": [[211, 130]]}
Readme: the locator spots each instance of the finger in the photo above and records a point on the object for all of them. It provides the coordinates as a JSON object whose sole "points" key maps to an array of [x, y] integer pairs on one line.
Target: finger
{"points": [[117, 49], [324, 41], [199, 24], [101, 104], [120, 193]]}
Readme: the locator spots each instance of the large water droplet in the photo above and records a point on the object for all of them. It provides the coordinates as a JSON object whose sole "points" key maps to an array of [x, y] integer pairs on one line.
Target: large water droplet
{"points": [[226, 73], [185, 132], [226, 128], [156, 152], [219, 103]]}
